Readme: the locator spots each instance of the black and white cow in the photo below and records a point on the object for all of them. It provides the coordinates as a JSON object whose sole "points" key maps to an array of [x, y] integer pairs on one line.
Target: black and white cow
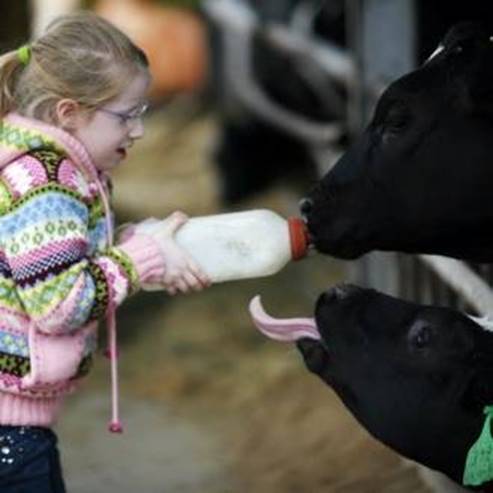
{"points": [[417, 377], [420, 177]]}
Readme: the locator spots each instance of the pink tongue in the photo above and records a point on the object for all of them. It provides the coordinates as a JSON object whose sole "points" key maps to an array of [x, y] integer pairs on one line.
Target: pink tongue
{"points": [[286, 329]]}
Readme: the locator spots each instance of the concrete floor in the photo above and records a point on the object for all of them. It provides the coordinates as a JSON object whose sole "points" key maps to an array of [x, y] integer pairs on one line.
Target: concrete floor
{"points": [[158, 453]]}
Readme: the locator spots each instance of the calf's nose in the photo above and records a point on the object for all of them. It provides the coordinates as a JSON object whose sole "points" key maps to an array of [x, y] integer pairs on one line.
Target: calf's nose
{"points": [[306, 206], [341, 292]]}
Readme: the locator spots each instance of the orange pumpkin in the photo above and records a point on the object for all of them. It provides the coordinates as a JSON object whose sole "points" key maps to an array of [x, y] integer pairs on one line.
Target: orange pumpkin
{"points": [[174, 40]]}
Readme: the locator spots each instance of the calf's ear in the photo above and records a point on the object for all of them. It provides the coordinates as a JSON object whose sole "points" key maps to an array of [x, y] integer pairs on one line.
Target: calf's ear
{"points": [[479, 389], [468, 50], [478, 81], [478, 370]]}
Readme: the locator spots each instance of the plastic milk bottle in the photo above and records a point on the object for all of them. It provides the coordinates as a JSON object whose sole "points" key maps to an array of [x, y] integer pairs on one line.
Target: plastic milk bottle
{"points": [[241, 245]]}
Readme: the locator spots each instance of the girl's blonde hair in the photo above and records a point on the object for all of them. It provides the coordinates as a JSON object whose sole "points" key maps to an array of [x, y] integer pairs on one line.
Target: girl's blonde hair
{"points": [[80, 56]]}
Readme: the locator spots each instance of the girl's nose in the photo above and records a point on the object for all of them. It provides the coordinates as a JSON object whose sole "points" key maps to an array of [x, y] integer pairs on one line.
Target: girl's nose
{"points": [[137, 130]]}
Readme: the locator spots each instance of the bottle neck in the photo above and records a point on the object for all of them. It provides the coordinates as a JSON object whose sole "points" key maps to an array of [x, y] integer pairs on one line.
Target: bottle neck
{"points": [[298, 235]]}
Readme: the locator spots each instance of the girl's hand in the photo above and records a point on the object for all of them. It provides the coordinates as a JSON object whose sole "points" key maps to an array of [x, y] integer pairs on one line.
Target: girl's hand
{"points": [[182, 274], [127, 230]]}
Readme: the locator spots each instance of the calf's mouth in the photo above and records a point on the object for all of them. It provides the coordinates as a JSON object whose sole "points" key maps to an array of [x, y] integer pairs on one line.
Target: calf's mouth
{"points": [[282, 329], [293, 329]]}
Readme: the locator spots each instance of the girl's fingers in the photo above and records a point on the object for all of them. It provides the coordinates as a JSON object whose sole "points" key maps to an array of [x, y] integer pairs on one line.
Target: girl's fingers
{"points": [[182, 286], [185, 279], [193, 281], [199, 273], [176, 220], [171, 290]]}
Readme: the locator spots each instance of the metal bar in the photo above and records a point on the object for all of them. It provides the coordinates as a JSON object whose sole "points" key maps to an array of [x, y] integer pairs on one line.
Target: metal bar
{"points": [[463, 280], [332, 59], [383, 46]]}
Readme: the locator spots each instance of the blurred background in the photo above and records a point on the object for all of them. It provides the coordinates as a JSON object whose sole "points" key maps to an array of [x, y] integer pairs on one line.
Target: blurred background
{"points": [[252, 101]]}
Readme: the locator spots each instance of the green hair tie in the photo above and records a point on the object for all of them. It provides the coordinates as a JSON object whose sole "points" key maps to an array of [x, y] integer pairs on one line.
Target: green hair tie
{"points": [[24, 54], [479, 462]]}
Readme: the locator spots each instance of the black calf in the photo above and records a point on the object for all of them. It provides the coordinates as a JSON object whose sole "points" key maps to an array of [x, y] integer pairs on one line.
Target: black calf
{"points": [[417, 377], [420, 178]]}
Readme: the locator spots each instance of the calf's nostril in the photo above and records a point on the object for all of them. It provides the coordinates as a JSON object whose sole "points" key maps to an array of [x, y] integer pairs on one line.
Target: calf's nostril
{"points": [[340, 292], [347, 290], [331, 295], [306, 206]]}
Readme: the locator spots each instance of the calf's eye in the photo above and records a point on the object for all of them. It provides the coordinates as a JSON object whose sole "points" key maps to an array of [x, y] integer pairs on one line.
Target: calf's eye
{"points": [[392, 129]]}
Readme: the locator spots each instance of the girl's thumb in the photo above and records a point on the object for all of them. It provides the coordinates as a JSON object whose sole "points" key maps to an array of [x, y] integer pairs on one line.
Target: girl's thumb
{"points": [[176, 220]]}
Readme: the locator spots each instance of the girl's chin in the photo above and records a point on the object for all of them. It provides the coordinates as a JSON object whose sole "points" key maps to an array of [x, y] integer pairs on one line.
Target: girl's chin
{"points": [[109, 164]]}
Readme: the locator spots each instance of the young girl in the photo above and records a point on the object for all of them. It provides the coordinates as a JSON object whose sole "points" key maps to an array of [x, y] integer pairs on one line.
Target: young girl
{"points": [[70, 106]]}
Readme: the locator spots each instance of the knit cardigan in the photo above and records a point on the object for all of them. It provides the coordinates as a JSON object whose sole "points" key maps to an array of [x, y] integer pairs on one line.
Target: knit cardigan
{"points": [[59, 272]]}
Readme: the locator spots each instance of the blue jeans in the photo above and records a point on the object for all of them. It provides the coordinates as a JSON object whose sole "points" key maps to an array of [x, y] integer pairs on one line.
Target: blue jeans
{"points": [[29, 460]]}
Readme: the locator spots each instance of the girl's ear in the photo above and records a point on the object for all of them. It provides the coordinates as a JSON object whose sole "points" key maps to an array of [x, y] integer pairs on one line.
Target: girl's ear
{"points": [[68, 114]]}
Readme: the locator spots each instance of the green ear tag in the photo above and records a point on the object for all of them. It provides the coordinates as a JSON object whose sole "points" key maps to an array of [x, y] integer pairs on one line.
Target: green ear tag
{"points": [[479, 461]]}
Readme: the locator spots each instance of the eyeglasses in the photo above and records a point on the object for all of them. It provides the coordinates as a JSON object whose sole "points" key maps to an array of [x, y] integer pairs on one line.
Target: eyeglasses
{"points": [[127, 118]]}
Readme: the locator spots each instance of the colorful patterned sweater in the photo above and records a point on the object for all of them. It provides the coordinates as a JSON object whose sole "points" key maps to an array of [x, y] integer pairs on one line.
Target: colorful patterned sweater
{"points": [[59, 272]]}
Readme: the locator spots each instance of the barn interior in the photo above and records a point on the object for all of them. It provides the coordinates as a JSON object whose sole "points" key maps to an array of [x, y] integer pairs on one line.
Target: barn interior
{"points": [[252, 102]]}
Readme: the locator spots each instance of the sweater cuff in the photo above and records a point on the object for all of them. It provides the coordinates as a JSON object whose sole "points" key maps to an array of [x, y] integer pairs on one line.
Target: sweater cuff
{"points": [[146, 257]]}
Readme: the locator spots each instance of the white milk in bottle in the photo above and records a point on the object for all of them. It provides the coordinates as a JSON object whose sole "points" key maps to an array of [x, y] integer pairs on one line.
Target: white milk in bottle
{"points": [[241, 245]]}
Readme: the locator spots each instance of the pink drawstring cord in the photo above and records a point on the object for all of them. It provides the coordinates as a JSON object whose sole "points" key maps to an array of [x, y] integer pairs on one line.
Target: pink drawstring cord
{"points": [[115, 425]]}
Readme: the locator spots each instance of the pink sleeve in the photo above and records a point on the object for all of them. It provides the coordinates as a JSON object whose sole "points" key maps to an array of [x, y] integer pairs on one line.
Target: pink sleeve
{"points": [[146, 257]]}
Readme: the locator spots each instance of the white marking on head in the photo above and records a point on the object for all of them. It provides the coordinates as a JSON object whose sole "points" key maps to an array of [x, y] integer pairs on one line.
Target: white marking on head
{"points": [[486, 323], [439, 49]]}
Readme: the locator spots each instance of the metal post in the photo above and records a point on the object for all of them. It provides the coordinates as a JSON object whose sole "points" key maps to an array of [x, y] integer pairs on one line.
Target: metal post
{"points": [[382, 38]]}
